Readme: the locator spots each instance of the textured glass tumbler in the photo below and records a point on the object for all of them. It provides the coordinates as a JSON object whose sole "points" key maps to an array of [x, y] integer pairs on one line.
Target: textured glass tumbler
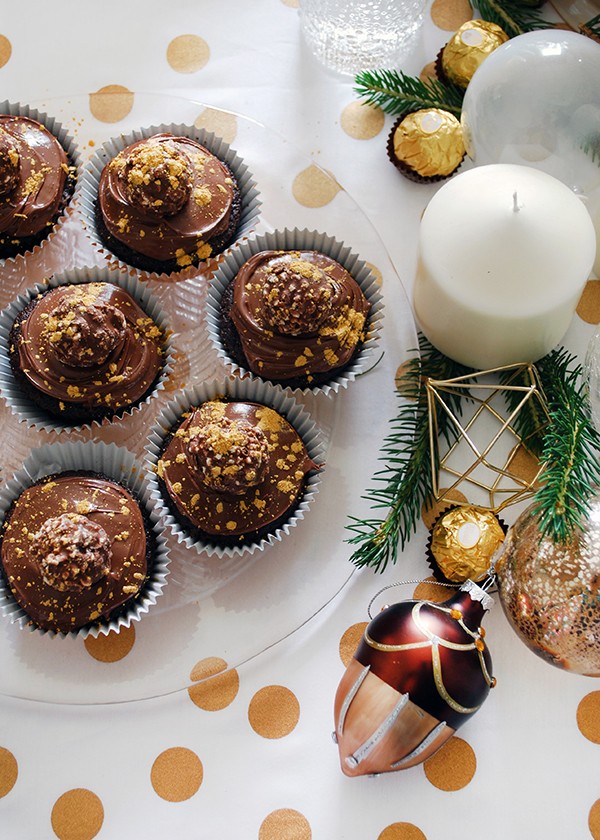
{"points": [[353, 35]]}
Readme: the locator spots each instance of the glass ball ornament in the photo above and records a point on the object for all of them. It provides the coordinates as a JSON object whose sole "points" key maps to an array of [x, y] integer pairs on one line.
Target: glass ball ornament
{"points": [[550, 593], [535, 101]]}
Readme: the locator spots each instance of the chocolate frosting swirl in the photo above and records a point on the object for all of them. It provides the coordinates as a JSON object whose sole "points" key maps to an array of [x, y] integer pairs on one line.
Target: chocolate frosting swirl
{"points": [[203, 216], [103, 502], [225, 514], [280, 355], [129, 366], [38, 187]]}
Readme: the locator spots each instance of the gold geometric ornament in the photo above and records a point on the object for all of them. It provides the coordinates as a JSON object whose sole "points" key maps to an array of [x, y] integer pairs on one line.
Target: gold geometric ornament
{"points": [[479, 463]]}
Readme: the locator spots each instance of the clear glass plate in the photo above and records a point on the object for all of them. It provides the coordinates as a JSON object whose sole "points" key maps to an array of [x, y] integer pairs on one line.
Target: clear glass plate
{"points": [[236, 608]]}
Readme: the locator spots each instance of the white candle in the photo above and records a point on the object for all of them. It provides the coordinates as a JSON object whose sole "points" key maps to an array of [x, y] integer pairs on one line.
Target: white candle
{"points": [[504, 254]]}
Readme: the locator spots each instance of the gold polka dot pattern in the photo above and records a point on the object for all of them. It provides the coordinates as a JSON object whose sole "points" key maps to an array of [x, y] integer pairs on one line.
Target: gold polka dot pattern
{"points": [[176, 774], [112, 647], [111, 103], [285, 824], [428, 72], [219, 686], [451, 14], [453, 766], [524, 465], [274, 711], [361, 121], [5, 50], [313, 187], [588, 717], [430, 514], [77, 815], [376, 273], [293, 4], [402, 831], [349, 641], [431, 590], [588, 307], [399, 383], [224, 125], [187, 53], [594, 820], [9, 770]]}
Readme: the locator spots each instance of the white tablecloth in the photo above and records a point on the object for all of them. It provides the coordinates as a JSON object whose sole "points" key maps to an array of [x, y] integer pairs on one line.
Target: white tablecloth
{"points": [[262, 764]]}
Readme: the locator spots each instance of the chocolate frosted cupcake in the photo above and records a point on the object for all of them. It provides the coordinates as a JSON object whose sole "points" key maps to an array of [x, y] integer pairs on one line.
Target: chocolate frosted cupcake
{"points": [[38, 171], [77, 547], [162, 200], [295, 316], [231, 470], [82, 351]]}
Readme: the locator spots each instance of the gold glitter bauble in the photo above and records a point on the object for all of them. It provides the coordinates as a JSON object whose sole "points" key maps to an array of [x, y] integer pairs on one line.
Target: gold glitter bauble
{"points": [[550, 593]]}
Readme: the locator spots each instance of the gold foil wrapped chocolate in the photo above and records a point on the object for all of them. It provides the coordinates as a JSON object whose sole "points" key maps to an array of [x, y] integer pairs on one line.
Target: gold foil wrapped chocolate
{"points": [[464, 541], [428, 142], [468, 48]]}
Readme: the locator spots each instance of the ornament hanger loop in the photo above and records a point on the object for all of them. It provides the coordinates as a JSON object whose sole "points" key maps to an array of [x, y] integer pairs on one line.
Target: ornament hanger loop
{"points": [[406, 583]]}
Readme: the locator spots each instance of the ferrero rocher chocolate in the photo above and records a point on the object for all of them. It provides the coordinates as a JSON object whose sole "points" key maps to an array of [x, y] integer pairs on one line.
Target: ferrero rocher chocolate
{"points": [[468, 48], [463, 542], [428, 142]]}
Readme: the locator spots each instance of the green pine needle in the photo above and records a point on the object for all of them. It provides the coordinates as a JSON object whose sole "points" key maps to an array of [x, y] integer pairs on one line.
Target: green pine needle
{"points": [[396, 93], [592, 27], [512, 16], [571, 453], [406, 482]]}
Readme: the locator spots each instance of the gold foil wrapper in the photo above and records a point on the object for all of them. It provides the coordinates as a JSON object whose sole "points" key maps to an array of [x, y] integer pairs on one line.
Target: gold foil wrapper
{"points": [[430, 142], [468, 48], [463, 542]]}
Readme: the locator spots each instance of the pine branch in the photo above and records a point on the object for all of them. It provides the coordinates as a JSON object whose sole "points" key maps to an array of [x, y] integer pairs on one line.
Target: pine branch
{"points": [[406, 481], [571, 454], [592, 28], [396, 93], [512, 16]]}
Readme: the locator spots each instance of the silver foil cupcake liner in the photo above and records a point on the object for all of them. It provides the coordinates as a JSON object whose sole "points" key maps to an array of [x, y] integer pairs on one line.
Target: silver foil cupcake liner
{"points": [[235, 389], [298, 240], [116, 463], [10, 390], [68, 143], [87, 189]]}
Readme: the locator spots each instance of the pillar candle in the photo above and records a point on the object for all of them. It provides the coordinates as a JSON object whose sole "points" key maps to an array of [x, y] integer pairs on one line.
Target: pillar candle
{"points": [[504, 254]]}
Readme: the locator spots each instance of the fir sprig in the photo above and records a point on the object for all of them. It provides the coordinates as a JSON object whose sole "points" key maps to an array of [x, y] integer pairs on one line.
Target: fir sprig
{"points": [[405, 482], [396, 93], [571, 453], [512, 16], [530, 421], [592, 28]]}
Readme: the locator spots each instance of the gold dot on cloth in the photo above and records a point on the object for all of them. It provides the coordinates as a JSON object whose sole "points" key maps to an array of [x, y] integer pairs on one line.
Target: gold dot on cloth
{"points": [[274, 711], [453, 766], [401, 831], [376, 273], [285, 824], [5, 50], [176, 774], [399, 382], [428, 72], [451, 14], [111, 103], [219, 686], [350, 640], [430, 514], [431, 590], [224, 125], [524, 465], [187, 53], [362, 121], [313, 187], [588, 717], [588, 307], [594, 820], [9, 770], [293, 4], [113, 646], [77, 815]]}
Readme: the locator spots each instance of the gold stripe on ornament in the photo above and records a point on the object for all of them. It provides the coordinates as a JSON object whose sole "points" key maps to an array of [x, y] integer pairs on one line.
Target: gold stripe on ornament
{"points": [[442, 691]]}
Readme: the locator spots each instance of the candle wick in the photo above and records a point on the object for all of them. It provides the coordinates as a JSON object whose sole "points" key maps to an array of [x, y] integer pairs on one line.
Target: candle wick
{"points": [[516, 205]]}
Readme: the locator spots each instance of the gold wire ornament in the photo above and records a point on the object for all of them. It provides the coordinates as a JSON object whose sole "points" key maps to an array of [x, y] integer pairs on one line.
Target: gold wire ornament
{"points": [[488, 440]]}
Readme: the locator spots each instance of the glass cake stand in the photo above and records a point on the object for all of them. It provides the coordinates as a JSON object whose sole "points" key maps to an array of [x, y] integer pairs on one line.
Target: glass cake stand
{"points": [[235, 608]]}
